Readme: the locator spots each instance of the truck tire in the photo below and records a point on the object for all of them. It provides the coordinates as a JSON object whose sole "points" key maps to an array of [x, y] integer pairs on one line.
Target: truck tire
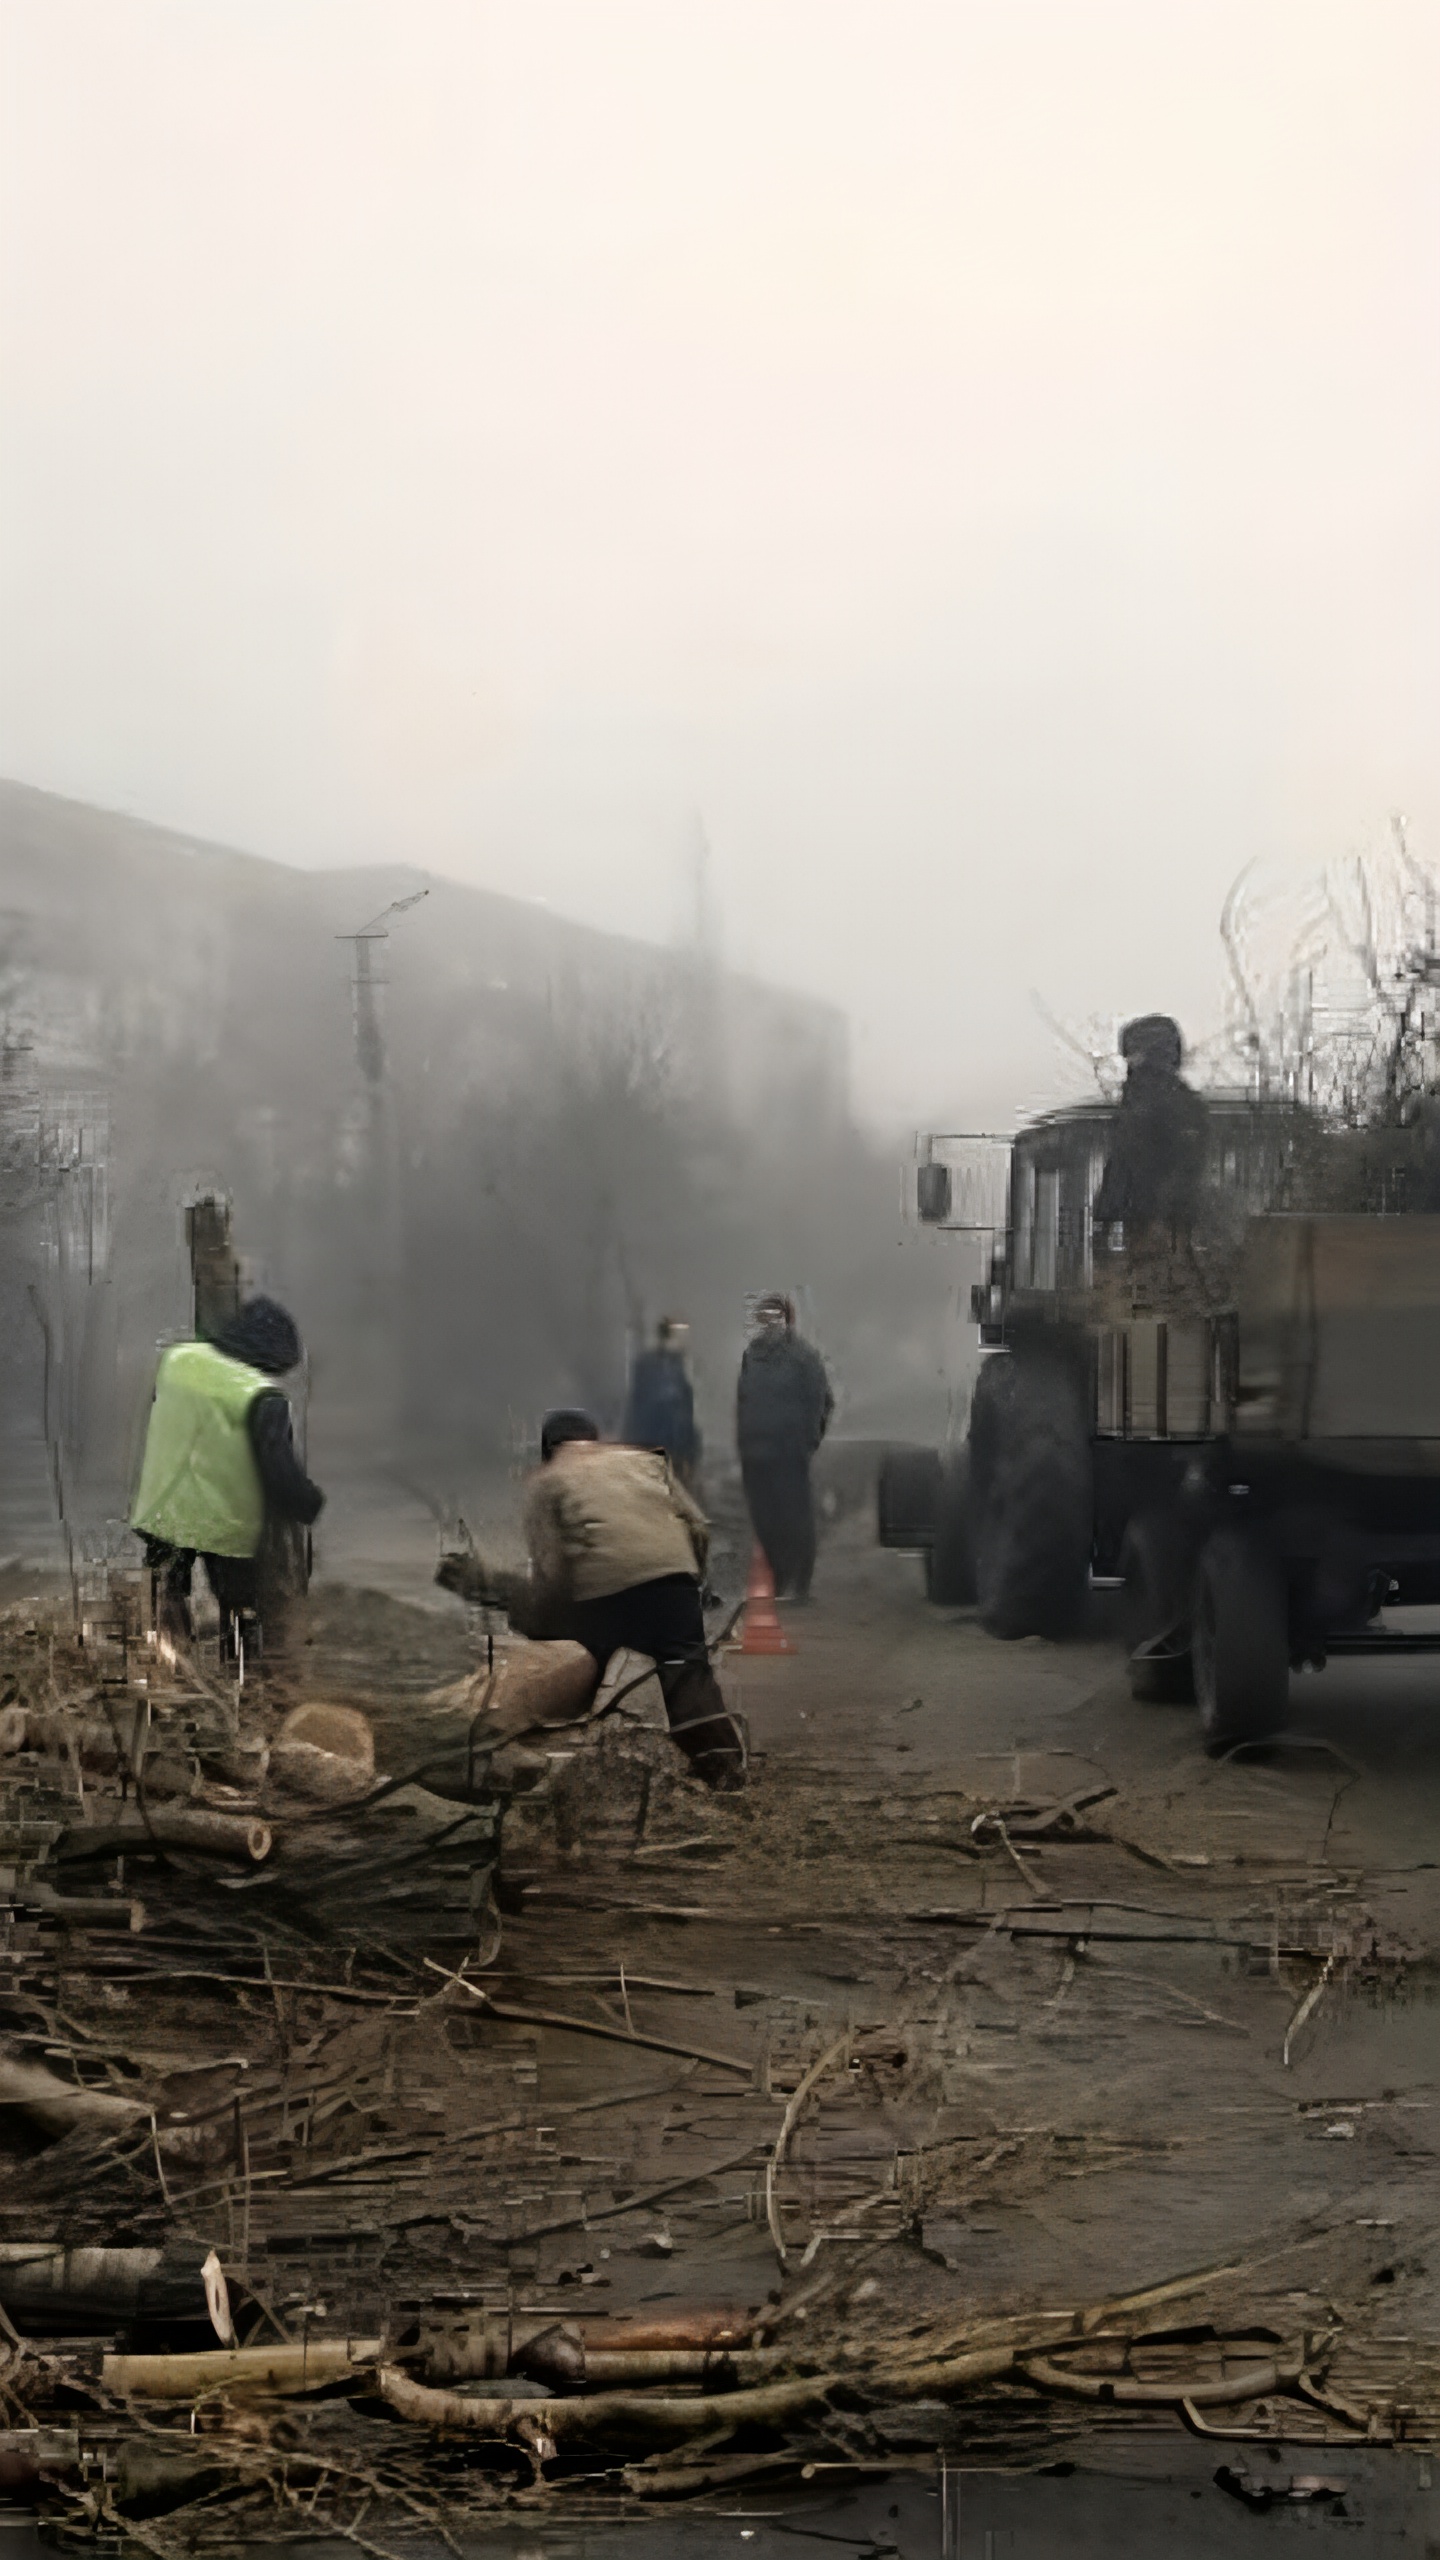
{"points": [[1154, 1611], [1240, 1641], [908, 1493], [1031, 1497], [950, 1556]]}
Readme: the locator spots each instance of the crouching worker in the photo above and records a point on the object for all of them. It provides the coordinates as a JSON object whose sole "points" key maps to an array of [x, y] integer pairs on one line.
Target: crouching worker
{"points": [[617, 1558], [220, 1477]]}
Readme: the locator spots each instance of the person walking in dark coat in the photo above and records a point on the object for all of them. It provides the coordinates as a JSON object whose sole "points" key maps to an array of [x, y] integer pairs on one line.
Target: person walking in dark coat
{"points": [[782, 1410], [660, 1408]]}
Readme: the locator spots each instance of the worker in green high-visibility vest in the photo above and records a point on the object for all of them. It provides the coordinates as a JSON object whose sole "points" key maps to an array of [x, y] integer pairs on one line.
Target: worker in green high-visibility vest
{"points": [[220, 1461]]}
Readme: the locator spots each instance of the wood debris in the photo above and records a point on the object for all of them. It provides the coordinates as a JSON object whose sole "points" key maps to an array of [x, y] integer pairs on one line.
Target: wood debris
{"points": [[409, 2165]]}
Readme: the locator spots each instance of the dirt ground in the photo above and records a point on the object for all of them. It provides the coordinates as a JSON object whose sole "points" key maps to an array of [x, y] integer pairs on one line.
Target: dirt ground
{"points": [[991, 2000]]}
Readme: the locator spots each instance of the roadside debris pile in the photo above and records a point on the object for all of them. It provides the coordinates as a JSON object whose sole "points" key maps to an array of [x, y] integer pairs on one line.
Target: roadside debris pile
{"points": [[329, 2195]]}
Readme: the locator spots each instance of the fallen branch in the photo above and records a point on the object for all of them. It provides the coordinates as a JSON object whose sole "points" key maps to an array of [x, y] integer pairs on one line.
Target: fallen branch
{"points": [[986, 1822], [590, 2026], [643, 2197], [650, 2417], [1308, 2005], [59, 2105], [774, 2164], [1252, 2382]]}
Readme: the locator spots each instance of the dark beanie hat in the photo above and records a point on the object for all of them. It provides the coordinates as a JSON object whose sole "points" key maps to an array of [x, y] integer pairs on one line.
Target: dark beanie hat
{"points": [[1152, 1040], [568, 1423], [264, 1335]]}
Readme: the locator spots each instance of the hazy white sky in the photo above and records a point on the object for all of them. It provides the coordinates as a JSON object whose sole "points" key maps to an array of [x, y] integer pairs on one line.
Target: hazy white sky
{"points": [[984, 457]]}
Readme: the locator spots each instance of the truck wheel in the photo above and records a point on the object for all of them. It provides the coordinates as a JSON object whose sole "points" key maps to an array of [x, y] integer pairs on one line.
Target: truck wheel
{"points": [[950, 1557], [1031, 1498], [908, 1493], [1153, 1612], [1240, 1641]]}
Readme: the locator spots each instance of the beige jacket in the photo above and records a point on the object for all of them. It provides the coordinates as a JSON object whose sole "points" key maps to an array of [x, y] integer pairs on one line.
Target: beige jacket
{"points": [[599, 1519]]}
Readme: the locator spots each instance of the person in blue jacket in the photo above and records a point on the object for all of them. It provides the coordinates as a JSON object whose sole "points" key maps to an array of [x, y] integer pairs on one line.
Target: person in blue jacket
{"points": [[660, 1407]]}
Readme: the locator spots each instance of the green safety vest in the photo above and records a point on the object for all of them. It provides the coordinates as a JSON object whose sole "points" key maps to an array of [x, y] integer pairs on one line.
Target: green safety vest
{"points": [[199, 1484]]}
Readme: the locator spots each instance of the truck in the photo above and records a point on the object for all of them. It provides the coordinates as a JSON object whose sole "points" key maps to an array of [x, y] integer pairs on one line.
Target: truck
{"points": [[1242, 1431]]}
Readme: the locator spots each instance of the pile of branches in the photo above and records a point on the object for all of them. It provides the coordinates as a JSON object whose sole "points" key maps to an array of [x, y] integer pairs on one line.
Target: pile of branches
{"points": [[185, 2450], [1346, 1034]]}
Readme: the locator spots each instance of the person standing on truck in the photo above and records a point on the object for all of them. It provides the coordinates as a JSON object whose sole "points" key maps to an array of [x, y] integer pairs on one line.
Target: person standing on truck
{"points": [[617, 1554], [660, 1407], [1155, 1164], [220, 1472], [782, 1411]]}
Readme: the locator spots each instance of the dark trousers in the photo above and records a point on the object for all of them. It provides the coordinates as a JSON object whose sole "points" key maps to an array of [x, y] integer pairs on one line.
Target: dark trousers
{"points": [[235, 1581], [782, 1513], [663, 1619], [257, 1596]]}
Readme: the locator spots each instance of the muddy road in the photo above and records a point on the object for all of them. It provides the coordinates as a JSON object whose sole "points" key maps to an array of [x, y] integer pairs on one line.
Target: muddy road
{"points": [[1111, 2012], [1092, 2012]]}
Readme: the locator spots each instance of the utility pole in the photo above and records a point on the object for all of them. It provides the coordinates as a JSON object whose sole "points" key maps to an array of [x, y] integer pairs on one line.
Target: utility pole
{"points": [[382, 1250], [365, 987], [706, 995]]}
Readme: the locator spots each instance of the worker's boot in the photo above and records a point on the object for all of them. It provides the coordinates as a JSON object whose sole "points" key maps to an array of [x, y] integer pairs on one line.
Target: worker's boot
{"points": [[702, 1725]]}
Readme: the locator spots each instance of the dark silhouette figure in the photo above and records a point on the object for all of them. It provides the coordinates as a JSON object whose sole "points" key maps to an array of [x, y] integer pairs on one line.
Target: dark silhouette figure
{"points": [[660, 1408], [782, 1412], [1156, 1162]]}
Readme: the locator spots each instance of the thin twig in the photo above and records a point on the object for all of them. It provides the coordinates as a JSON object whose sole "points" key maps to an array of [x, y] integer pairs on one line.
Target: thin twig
{"points": [[589, 2026], [1308, 2004], [776, 2160]]}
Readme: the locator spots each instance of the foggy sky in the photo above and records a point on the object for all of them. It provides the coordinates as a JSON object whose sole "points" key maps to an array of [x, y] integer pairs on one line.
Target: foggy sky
{"points": [[982, 457]]}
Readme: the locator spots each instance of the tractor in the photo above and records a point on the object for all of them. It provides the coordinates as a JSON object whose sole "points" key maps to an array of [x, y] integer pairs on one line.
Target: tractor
{"points": [[1239, 1425]]}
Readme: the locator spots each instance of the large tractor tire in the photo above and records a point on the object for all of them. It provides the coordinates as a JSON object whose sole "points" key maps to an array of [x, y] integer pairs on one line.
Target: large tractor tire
{"points": [[950, 1556], [1240, 1641], [1031, 1497], [1155, 1610], [908, 1492]]}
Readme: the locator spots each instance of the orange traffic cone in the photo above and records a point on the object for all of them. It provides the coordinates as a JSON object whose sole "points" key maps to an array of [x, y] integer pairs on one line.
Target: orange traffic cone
{"points": [[763, 1631]]}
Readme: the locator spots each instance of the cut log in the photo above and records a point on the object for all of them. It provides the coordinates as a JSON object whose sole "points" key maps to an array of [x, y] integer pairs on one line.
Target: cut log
{"points": [[325, 1752], [316, 2365], [534, 1686], [343, 1730], [72, 2291], [89, 1910], [171, 1826], [716, 2326], [480, 2346], [563, 2359]]}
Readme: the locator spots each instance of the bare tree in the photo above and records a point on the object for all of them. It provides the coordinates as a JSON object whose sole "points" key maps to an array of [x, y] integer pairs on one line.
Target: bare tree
{"points": [[1349, 1024]]}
